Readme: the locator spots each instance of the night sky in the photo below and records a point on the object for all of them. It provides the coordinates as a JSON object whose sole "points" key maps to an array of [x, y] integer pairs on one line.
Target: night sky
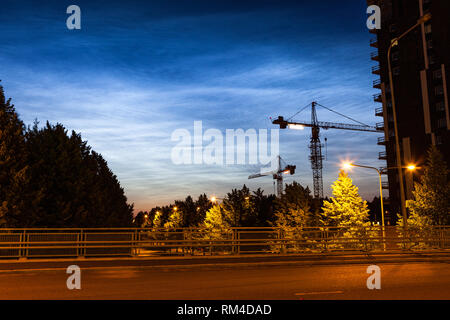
{"points": [[138, 70]]}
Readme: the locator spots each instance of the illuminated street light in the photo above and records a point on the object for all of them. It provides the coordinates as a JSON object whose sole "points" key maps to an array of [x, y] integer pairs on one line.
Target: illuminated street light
{"points": [[347, 166], [411, 167], [214, 199], [175, 208]]}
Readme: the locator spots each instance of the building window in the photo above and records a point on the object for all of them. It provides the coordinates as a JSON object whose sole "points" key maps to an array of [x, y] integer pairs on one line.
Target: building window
{"points": [[396, 71], [395, 56], [432, 59], [437, 74], [430, 44], [438, 140], [428, 28], [439, 90], [440, 106], [441, 123]]}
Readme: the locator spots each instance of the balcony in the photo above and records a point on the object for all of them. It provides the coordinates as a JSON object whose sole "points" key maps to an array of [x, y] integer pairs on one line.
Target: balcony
{"points": [[377, 97], [382, 155], [379, 112], [380, 126], [374, 43], [385, 185], [381, 141], [376, 70], [377, 84], [374, 56]]}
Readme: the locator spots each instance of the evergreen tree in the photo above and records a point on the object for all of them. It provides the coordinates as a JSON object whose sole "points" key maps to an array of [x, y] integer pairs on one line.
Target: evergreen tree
{"points": [[217, 222], [175, 220], [347, 209], [292, 212], [202, 205], [292, 209], [72, 186], [431, 204], [238, 203], [158, 220], [13, 168]]}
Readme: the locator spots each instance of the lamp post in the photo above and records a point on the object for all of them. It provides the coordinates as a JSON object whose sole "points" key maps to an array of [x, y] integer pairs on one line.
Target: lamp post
{"points": [[394, 42]]}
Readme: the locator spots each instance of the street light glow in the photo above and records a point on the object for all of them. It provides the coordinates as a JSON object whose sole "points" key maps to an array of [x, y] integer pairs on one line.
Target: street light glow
{"points": [[213, 199], [411, 167], [296, 126], [346, 165]]}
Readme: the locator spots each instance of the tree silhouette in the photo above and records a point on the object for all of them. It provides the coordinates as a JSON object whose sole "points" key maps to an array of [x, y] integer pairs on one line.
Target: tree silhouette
{"points": [[51, 179], [431, 204], [13, 167]]}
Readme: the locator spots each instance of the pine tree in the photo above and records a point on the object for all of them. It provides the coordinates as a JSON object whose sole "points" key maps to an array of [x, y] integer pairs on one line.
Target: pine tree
{"points": [[13, 168], [431, 204], [157, 220], [238, 203], [347, 209], [217, 222], [175, 220], [292, 212], [72, 186]]}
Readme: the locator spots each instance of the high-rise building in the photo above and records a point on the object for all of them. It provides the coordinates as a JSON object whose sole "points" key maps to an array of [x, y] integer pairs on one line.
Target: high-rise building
{"points": [[420, 69]]}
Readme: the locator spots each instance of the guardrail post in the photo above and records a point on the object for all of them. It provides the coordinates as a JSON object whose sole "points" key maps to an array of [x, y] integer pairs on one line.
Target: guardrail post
{"points": [[135, 243], [238, 242], [81, 244]]}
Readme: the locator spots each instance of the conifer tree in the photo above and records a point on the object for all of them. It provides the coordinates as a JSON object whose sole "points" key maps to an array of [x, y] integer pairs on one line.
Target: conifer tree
{"points": [[292, 212], [347, 209], [13, 167], [431, 204], [217, 222], [158, 220], [175, 220]]}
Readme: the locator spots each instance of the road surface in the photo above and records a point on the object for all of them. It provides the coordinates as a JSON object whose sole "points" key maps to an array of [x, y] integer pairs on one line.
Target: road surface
{"points": [[410, 280]]}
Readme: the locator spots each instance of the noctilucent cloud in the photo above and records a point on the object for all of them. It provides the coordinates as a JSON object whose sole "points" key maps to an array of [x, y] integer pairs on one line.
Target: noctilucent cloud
{"points": [[138, 70]]}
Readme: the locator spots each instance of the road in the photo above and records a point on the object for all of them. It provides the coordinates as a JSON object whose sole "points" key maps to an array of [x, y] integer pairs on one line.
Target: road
{"points": [[409, 280]]}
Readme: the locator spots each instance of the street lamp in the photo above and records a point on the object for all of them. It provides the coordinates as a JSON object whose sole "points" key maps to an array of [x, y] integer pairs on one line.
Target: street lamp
{"points": [[214, 199], [394, 42], [347, 166]]}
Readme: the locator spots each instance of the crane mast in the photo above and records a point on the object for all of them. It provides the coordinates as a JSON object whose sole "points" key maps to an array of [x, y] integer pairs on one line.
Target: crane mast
{"points": [[316, 156]]}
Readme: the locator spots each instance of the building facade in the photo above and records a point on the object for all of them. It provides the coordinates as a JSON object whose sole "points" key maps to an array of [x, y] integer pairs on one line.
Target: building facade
{"points": [[420, 68]]}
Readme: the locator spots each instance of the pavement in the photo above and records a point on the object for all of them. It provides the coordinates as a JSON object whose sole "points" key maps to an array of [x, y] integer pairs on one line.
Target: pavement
{"points": [[238, 278]]}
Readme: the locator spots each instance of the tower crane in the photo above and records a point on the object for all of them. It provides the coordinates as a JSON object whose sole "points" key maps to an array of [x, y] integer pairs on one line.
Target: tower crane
{"points": [[315, 145], [277, 175]]}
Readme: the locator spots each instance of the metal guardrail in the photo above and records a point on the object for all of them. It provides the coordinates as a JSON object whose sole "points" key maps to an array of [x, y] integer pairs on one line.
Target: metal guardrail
{"points": [[53, 243]]}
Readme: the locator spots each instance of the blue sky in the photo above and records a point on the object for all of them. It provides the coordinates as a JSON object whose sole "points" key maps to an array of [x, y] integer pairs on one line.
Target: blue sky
{"points": [[138, 70]]}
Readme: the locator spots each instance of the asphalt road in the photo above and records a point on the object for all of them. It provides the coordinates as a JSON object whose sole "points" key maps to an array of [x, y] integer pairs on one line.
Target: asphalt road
{"points": [[398, 281]]}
